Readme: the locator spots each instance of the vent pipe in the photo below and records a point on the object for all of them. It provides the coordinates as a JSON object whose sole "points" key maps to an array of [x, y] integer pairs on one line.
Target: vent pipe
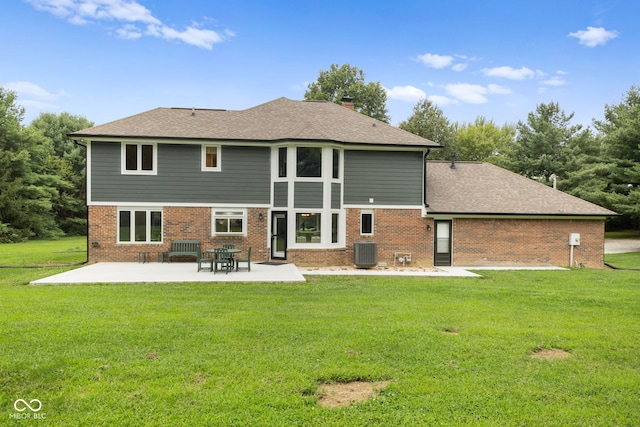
{"points": [[453, 160]]}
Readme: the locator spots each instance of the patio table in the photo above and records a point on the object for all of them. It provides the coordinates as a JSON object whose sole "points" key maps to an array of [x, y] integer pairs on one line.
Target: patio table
{"points": [[231, 252]]}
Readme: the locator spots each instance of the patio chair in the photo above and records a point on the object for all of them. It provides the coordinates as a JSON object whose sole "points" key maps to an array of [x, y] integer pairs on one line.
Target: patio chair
{"points": [[228, 246], [247, 260], [222, 258], [204, 261]]}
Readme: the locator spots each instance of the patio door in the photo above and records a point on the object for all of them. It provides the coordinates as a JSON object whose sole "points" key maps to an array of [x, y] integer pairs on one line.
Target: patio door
{"points": [[442, 243], [279, 235]]}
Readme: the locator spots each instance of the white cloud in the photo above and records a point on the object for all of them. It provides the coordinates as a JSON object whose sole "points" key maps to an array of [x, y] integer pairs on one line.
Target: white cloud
{"points": [[459, 67], [474, 94], [498, 90], [554, 81], [594, 36], [406, 93], [28, 89], [435, 61], [510, 73], [443, 100], [130, 12], [130, 32]]}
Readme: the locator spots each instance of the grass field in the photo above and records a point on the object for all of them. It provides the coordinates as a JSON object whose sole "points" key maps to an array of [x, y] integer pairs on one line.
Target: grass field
{"points": [[455, 351]]}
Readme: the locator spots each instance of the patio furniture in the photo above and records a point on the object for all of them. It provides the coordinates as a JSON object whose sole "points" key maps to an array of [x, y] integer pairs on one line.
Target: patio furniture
{"points": [[222, 258], [143, 257], [229, 246], [247, 260], [185, 248], [163, 257], [205, 261]]}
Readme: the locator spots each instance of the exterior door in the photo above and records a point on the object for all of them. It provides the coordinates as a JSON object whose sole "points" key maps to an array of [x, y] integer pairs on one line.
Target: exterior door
{"points": [[442, 243], [279, 235]]}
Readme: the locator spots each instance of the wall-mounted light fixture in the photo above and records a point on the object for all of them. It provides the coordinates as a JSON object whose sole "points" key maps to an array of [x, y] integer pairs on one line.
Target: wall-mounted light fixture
{"points": [[428, 227], [260, 216], [95, 244]]}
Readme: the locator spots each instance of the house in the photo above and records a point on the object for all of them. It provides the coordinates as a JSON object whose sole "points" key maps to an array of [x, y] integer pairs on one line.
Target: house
{"points": [[314, 183]]}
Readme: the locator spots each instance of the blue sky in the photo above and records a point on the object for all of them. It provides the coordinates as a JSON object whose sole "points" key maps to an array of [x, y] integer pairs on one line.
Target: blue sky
{"points": [[108, 59]]}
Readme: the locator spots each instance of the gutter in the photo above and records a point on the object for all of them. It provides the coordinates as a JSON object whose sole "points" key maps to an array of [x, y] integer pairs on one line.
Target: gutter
{"points": [[80, 144]]}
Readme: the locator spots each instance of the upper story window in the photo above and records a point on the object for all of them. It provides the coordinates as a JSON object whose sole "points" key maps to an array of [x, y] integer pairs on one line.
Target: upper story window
{"points": [[282, 162], [139, 158], [211, 158], [309, 162], [336, 163]]}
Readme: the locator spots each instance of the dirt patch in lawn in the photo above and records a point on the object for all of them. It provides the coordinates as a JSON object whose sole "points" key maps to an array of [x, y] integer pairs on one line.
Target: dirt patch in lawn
{"points": [[550, 353], [337, 395]]}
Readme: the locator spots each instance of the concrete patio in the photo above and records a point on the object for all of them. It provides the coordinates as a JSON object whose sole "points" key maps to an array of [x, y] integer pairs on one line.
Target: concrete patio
{"points": [[131, 272]]}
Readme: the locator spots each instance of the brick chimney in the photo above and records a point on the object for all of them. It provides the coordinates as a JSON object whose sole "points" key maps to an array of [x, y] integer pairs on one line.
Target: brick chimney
{"points": [[347, 102]]}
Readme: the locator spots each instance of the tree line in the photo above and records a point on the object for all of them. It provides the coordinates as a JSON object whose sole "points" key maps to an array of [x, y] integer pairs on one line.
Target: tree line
{"points": [[42, 171]]}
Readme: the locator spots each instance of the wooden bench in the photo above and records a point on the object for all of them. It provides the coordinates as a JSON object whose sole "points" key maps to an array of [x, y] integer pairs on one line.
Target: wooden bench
{"points": [[185, 248]]}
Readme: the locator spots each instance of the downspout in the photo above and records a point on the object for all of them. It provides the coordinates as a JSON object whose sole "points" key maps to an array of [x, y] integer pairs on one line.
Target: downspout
{"points": [[75, 141], [424, 182]]}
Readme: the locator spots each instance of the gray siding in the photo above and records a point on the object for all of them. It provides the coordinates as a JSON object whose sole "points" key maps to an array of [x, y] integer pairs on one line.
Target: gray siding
{"points": [[390, 178], [280, 194], [245, 176], [308, 195], [335, 196]]}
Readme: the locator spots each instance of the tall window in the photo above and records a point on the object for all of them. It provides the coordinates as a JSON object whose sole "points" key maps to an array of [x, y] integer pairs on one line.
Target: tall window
{"points": [[140, 226], [282, 162], [308, 228], [139, 158], [211, 158], [309, 162], [334, 227], [366, 222], [229, 222], [336, 163]]}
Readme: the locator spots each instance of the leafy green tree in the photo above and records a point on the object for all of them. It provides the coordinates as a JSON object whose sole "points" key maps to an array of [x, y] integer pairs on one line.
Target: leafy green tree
{"points": [[67, 163], [26, 186], [483, 140], [540, 149], [341, 81], [620, 132], [428, 121]]}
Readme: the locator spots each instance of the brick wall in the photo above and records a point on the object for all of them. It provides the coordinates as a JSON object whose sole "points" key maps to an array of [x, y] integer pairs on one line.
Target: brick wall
{"points": [[521, 242], [179, 223]]}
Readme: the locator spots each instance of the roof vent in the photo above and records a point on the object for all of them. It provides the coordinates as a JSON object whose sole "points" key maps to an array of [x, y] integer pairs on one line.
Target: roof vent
{"points": [[453, 160], [193, 111]]}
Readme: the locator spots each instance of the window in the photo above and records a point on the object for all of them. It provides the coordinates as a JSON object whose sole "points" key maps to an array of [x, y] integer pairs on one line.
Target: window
{"points": [[140, 226], [366, 222], [334, 227], [308, 228], [139, 158], [309, 162], [211, 158], [336, 163], [282, 162], [229, 222]]}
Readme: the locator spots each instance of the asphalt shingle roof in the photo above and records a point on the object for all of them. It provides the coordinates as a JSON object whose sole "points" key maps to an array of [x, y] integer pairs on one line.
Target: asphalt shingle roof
{"points": [[277, 120], [483, 188]]}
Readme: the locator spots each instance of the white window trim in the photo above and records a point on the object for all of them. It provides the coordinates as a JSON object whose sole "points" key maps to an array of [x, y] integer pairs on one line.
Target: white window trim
{"points": [[203, 157], [138, 171], [148, 211], [245, 226], [367, 212]]}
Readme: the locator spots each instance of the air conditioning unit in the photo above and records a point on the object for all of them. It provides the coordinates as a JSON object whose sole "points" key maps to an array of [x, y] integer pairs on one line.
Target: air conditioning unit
{"points": [[365, 254]]}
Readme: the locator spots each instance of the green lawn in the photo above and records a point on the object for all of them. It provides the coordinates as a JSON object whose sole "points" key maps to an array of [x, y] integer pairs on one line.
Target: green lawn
{"points": [[253, 354]]}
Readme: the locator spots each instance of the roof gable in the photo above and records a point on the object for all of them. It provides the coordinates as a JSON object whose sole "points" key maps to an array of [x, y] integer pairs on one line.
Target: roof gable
{"points": [[277, 120], [483, 188]]}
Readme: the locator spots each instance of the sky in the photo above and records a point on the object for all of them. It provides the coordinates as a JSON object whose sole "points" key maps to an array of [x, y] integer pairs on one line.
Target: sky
{"points": [[500, 59]]}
